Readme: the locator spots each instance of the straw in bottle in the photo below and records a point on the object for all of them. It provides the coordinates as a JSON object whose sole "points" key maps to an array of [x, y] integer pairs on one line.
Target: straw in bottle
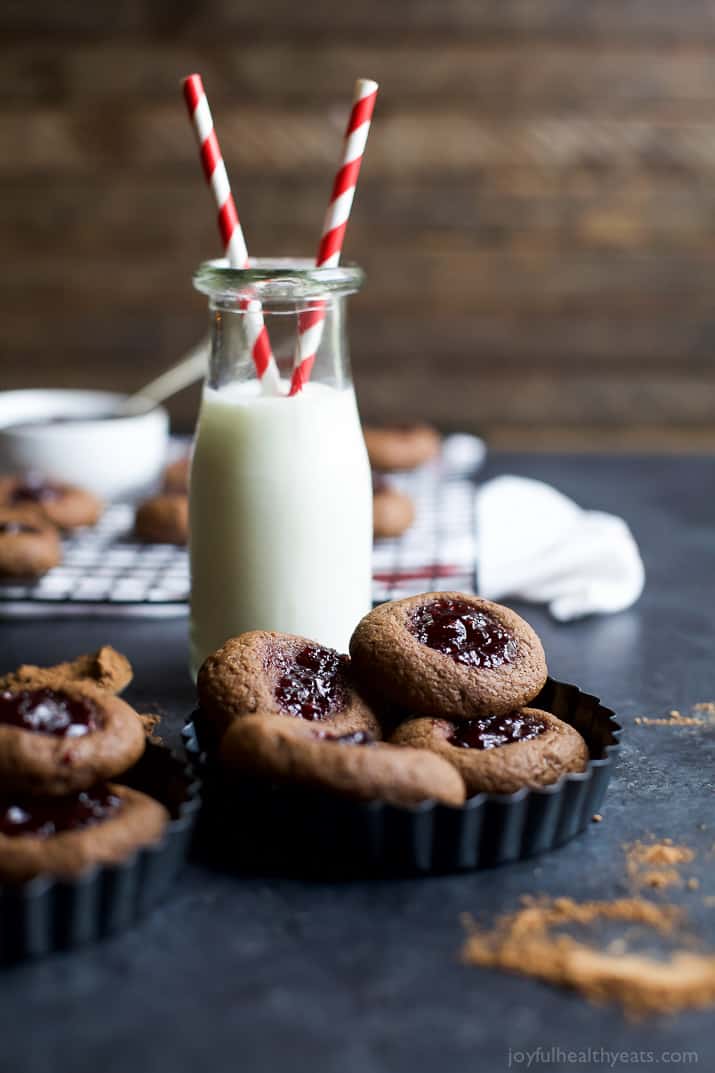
{"points": [[229, 225], [311, 322]]}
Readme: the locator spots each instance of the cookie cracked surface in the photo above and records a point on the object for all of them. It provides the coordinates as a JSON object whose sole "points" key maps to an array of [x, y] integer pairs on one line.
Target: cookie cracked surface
{"points": [[105, 668]]}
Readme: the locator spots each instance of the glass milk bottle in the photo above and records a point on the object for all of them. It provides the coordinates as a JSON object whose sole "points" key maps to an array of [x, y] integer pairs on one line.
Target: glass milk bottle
{"points": [[281, 497]]}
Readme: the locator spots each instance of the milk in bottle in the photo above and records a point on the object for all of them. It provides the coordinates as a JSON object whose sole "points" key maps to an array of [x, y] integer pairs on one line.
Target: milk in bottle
{"points": [[280, 496]]}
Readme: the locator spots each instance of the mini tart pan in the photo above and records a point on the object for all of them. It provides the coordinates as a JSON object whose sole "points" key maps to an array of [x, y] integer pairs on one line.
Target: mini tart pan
{"points": [[46, 914], [253, 825]]}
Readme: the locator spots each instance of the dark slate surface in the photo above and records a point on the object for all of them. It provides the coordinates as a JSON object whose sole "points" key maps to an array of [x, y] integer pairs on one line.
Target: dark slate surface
{"points": [[364, 976]]}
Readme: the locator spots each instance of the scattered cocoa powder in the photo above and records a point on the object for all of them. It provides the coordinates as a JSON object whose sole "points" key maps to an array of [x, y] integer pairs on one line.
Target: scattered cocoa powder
{"points": [[529, 942], [655, 864], [701, 714]]}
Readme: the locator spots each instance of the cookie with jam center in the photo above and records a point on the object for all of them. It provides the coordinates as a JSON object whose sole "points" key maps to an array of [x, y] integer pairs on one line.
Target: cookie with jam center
{"points": [[393, 512], [56, 741], [62, 836], [401, 447], [29, 544], [105, 668], [500, 754], [64, 505], [267, 673], [351, 764], [450, 654], [163, 519]]}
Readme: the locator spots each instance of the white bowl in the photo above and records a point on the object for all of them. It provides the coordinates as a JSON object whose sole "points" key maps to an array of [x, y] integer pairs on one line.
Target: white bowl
{"points": [[110, 456]]}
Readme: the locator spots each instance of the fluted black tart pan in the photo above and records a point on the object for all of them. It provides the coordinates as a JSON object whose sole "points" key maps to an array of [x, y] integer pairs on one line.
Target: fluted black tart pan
{"points": [[47, 914], [251, 824]]}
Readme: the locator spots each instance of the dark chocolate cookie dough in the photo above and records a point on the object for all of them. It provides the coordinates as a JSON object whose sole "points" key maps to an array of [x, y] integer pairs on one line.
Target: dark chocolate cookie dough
{"points": [[56, 741], [501, 753], [449, 653], [63, 836], [281, 674], [350, 764]]}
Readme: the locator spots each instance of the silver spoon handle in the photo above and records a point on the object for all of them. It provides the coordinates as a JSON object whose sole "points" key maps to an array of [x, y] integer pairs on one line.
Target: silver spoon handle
{"points": [[191, 368]]}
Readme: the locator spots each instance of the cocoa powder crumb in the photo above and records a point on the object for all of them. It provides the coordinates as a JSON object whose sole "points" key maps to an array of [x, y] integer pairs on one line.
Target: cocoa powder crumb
{"points": [[701, 714], [528, 942], [672, 720], [596, 818], [655, 864]]}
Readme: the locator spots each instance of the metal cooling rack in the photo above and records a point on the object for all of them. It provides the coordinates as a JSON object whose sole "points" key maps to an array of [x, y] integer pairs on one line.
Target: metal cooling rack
{"points": [[104, 571]]}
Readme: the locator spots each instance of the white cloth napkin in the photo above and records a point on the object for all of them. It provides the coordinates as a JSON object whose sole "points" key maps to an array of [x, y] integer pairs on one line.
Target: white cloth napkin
{"points": [[535, 544]]}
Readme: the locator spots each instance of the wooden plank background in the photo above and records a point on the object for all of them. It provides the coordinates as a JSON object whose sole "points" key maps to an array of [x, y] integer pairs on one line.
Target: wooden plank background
{"points": [[536, 213]]}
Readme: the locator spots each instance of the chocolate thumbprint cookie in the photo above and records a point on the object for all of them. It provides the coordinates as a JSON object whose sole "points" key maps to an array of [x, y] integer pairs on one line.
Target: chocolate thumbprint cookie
{"points": [[55, 741], [163, 519], [392, 511], [501, 753], [176, 476], [281, 674], [64, 505], [449, 653], [29, 544], [352, 764], [64, 835]]}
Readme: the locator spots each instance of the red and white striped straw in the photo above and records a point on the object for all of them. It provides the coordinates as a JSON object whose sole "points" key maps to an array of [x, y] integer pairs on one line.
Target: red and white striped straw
{"points": [[229, 226], [310, 323]]}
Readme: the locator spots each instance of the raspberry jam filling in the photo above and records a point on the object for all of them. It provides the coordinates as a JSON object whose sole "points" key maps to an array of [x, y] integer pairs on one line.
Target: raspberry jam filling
{"points": [[15, 528], [47, 816], [357, 737], [47, 711], [463, 632], [34, 489], [490, 731], [312, 681]]}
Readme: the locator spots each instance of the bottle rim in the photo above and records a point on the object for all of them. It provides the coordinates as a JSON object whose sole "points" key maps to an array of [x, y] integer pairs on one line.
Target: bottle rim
{"points": [[276, 279]]}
